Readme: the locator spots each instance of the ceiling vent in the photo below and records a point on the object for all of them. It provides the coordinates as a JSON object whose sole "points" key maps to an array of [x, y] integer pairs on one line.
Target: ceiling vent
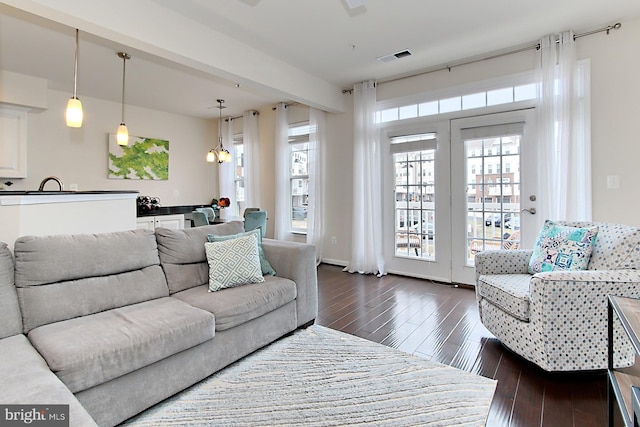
{"points": [[394, 56]]}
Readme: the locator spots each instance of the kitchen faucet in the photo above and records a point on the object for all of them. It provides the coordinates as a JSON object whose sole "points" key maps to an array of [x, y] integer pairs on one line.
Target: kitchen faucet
{"points": [[51, 178]]}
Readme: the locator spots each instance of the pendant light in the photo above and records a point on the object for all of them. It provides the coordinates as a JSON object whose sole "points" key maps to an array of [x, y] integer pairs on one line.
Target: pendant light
{"points": [[220, 152], [74, 106], [123, 134]]}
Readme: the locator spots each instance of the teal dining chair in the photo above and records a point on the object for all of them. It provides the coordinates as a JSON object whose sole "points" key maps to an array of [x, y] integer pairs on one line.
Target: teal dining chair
{"points": [[211, 214], [254, 219], [199, 218]]}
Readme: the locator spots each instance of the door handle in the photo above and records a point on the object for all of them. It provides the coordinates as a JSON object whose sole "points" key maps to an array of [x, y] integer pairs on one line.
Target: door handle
{"points": [[532, 211]]}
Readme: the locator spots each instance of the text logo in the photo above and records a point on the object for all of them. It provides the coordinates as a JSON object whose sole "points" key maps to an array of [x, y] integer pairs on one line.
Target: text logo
{"points": [[34, 415]]}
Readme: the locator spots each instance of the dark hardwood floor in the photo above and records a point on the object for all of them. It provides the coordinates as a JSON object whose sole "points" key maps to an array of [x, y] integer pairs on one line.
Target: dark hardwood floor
{"points": [[440, 322]]}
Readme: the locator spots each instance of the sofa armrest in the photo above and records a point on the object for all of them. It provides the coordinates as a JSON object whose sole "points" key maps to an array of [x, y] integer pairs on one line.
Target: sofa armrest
{"points": [[27, 380], [297, 262], [502, 262]]}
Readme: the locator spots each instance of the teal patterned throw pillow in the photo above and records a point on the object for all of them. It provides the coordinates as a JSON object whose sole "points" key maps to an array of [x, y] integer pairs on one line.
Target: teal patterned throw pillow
{"points": [[233, 262], [561, 247], [267, 270]]}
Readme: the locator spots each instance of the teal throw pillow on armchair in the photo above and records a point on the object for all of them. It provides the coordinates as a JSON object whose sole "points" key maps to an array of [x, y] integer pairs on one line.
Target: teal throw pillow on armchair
{"points": [[561, 247]]}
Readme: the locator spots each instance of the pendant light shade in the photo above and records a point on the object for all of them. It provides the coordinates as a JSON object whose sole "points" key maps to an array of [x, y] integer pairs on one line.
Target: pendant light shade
{"points": [[74, 106], [220, 152], [74, 113], [122, 137]]}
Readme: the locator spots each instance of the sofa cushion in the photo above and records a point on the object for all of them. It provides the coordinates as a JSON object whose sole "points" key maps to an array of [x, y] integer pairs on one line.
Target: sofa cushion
{"points": [[510, 292], [233, 262], [182, 253], [561, 247], [616, 248], [265, 266], [10, 320], [238, 305], [26, 379], [90, 350], [66, 276]]}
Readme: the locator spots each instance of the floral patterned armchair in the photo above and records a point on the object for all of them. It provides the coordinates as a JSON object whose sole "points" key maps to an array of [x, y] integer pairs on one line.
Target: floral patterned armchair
{"points": [[558, 319]]}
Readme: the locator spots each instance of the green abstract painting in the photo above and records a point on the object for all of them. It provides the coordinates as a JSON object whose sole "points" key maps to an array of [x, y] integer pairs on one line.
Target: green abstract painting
{"points": [[143, 158]]}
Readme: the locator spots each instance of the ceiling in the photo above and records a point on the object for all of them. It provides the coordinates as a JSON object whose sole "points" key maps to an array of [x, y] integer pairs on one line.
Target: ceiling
{"points": [[187, 53]]}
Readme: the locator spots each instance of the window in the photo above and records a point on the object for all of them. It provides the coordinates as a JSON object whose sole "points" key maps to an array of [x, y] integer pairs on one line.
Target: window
{"points": [[238, 173], [299, 176], [465, 101]]}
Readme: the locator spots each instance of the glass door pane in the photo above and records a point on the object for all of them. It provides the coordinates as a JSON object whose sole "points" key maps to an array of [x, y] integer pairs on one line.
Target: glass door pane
{"points": [[493, 194], [414, 204]]}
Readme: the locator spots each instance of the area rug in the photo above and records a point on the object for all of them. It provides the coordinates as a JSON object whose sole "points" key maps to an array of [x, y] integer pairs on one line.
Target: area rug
{"points": [[322, 377]]}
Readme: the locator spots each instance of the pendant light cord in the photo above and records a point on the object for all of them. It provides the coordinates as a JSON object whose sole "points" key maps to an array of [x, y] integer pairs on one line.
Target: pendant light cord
{"points": [[124, 65], [75, 70]]}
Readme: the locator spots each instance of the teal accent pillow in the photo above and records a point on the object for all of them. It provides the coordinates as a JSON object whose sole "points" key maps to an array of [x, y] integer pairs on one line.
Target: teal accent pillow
{"points": [[233, 262], [267, 270], [561, 247]]}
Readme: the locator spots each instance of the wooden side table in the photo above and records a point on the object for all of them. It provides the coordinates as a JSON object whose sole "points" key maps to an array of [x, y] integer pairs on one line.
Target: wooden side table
{"points": [[625, 380]]}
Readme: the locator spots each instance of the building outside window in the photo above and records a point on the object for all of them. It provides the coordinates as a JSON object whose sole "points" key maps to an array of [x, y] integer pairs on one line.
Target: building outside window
{"points": [[238, 173], [299, 175]]}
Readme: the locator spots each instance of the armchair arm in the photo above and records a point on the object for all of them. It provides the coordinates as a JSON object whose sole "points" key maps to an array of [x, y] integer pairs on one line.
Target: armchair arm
{"points": [[502, 262], [569, 311], [582, 276], [297, 262]]}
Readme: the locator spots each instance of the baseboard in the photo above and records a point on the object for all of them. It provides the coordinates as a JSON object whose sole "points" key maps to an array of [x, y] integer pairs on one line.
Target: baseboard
{"points": [[338, 262]]}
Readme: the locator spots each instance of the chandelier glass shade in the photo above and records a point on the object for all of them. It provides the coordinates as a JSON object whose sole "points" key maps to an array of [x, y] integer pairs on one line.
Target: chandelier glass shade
{"points": [[219, 152]]}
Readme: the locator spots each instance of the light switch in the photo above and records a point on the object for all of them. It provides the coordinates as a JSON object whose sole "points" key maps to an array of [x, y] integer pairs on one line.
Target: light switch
{"points": [[613, 182]]}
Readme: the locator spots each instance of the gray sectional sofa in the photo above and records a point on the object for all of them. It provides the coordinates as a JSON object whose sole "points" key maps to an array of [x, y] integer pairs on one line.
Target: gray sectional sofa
{"points": [[114, 323]]}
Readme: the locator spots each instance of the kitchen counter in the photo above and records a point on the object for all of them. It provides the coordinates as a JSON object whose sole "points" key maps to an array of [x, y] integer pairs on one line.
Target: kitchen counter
{"points": [[171, 210], [63, 192], [11, 198], [42, 213]]}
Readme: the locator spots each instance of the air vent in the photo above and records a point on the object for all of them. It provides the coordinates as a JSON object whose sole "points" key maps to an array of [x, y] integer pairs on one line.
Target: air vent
{"points": [[394, 56]]}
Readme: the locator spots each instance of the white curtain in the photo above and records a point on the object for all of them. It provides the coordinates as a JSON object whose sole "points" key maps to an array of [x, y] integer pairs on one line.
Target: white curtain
{"points": [[282, 223], [366, 239], [251, 146], [226, 170], [563, 123], [317, 142]]}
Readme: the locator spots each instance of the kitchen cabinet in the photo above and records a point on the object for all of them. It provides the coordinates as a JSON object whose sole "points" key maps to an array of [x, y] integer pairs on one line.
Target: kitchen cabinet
{"points": [[175, 222], [13, 142]]}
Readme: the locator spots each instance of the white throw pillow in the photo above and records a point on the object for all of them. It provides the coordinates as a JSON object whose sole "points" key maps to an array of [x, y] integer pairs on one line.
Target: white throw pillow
{"points": [[233, 262]]}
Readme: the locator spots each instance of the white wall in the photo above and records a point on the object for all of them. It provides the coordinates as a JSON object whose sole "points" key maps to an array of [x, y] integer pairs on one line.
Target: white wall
{"points": [[79, 156], [615, 104], [615, 116]]}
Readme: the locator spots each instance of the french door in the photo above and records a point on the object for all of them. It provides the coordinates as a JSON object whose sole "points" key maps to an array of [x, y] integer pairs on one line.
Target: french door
{"points": [[456, 187], [416, 202], [493, 187]]}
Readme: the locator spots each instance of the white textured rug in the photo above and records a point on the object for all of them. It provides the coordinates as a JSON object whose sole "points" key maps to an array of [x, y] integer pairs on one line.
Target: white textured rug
{"points": [[321, 377]]}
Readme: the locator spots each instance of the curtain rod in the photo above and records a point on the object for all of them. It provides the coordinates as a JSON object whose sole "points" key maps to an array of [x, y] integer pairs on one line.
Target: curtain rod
{"points": [[255, 113], [285, 105], [536, 46]]}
